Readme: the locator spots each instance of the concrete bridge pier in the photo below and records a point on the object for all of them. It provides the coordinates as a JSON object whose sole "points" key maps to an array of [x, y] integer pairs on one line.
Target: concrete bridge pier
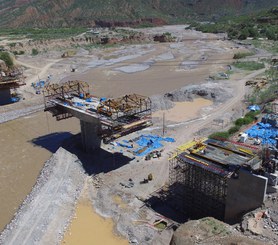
{"points": [[90, 135], [90, 128]]}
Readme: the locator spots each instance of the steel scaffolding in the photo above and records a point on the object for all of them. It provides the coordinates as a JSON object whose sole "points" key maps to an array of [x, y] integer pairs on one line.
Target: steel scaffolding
{"points": [[198, 191]]}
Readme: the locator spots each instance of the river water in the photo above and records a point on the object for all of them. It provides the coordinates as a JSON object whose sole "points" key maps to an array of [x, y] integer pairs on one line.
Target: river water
{"points": [[25, 144]]}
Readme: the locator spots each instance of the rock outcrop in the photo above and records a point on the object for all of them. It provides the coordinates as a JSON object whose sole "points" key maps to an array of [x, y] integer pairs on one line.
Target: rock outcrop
{"points": [[209, 231]]}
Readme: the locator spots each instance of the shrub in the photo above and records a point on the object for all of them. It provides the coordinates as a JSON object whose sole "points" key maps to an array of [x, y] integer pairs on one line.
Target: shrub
{"points": [[249, 117], [248, 120], [252, 114], [219, 135], [5, 56], [12, 45], [239, 122], [34, 51], [241, 55], [234, 129], [249, 65]]}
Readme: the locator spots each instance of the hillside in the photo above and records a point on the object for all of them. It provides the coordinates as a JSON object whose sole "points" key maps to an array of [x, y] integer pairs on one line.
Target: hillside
{"points": [[263, 24], [64, 13]]}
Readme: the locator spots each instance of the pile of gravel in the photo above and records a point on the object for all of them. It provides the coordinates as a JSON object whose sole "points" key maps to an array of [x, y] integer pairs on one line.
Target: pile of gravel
{"points": [[215, 91]]}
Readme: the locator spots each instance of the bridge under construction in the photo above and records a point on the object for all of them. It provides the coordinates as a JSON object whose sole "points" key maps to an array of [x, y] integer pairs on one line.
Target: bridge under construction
{"points": [[100, 118], [9, 80]]}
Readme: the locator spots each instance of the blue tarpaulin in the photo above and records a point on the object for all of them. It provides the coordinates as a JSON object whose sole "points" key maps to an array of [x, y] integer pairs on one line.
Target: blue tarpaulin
{"points": [[78, 104], [89, 100], [14, 99], [253, 108], [263, 131], [40, 84], [149, 143]]}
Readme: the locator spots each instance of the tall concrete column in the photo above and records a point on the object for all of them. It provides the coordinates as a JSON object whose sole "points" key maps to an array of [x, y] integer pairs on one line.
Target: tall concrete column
{"points": [[90, 135], [5, 96]]}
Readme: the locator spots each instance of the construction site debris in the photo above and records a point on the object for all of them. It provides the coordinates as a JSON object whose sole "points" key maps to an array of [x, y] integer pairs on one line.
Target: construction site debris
{"points": [[272, 119], [128, 184], [153, 154]]}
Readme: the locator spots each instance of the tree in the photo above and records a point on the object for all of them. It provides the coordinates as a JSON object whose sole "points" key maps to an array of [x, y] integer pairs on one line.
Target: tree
{"points": [[244, 34], [253, 32], [270, 34], [5, 56]]}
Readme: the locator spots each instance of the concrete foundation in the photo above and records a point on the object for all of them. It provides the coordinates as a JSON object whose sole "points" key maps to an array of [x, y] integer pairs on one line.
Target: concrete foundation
{"points": [[90, 135], [5, 96], [245, 193]]}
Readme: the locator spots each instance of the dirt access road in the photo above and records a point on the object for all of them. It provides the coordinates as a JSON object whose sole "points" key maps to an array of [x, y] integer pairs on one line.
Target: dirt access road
{"points": [[239, 92], [39, 73]]}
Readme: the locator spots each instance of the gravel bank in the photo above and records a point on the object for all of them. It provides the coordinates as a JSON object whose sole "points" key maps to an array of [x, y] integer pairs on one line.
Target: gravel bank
{"points": [[48, 209], [14, 114]]}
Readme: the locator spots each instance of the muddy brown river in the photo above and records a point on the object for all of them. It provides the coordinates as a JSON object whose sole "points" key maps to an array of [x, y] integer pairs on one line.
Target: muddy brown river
{"points": [[26, 143]]}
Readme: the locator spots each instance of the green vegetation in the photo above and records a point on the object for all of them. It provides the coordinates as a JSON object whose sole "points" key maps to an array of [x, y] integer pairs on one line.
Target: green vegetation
{"points": [[219, 135], [43, 33], [266, 95], [5, 56], [269, 45], [260, 25], [12, 45], [249, 65], [269, 93], [233, 129], [247, 119], [35, 51], [161, 225], [213, 226], [241, 55]]}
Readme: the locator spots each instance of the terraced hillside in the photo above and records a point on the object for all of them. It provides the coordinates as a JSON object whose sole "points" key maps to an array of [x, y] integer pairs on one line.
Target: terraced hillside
{"points": [[57, 13]]}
